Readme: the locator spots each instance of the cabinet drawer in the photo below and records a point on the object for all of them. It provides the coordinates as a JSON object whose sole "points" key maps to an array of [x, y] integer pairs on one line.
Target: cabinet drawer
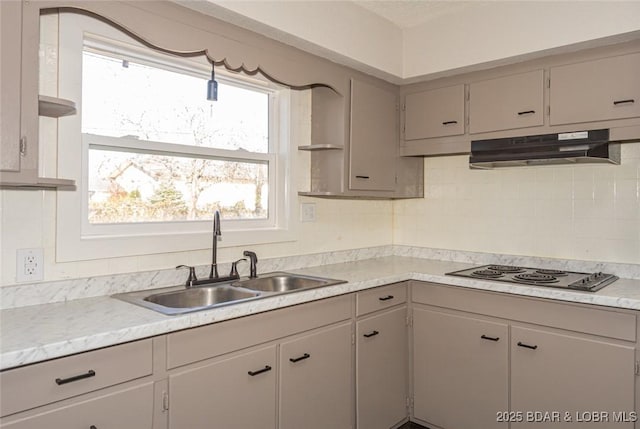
{"points": [[507, 103], [128, 409], [186, 347], [598, 90], [34, 385], [595, 321], [434, 113], [381, 298]]}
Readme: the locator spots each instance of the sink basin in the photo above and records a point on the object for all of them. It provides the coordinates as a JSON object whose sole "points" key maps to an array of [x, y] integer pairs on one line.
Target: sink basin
{"points": [[199, 297], [284, 282], [179, 300]]}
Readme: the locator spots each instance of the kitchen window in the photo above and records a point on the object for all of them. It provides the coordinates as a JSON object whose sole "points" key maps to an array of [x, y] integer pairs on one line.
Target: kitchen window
{"points": [[156, 158]]}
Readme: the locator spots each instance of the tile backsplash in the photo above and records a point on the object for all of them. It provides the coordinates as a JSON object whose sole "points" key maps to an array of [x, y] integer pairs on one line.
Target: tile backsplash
{"points": [[585, 212]]}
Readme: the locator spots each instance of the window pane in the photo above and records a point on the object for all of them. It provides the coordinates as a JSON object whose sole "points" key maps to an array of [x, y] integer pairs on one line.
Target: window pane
{"points": [[129, 99], [127, 187]]}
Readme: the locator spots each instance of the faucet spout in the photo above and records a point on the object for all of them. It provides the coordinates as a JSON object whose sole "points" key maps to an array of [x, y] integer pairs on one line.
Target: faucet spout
{"points": [[217, 232]]}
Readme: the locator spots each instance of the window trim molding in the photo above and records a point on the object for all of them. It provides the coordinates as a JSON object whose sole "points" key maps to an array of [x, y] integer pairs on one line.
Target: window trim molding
{"points": [[72, 245]]}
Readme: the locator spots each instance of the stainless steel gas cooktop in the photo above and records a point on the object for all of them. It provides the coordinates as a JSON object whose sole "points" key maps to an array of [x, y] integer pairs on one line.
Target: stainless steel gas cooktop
{"points": [[589, 282]]}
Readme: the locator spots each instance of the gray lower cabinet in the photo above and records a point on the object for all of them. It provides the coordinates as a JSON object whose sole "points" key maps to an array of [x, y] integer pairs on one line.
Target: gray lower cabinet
{"points": [[382, 369], [127, 409], [575, 376], [316, 380], [460, 370], [235, 392]]}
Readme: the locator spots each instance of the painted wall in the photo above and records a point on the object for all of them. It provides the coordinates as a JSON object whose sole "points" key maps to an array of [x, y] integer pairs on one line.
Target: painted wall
{"points": [[28, 218], [338, 30], [478, 33], [488, 31], [585, 212]]}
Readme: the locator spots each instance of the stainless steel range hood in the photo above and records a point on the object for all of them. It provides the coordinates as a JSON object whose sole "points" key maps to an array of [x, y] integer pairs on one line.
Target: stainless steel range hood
{"points": [[546, 149]]}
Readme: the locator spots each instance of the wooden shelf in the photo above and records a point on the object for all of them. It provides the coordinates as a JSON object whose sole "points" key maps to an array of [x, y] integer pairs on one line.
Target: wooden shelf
{"points": [[320, 147], [54, 107]]}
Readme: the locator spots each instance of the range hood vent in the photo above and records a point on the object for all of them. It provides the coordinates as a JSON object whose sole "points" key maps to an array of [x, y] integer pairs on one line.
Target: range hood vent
{"points": [[545, 149]]}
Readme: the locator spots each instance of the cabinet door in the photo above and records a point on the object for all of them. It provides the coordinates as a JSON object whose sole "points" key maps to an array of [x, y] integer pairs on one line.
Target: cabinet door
{"points": [[598, 90], [434, 113], [460, 367], [506, 103], [568, 374], [382, 369], [128, 409], [315, 380], [10, 26], [373, 143], [238, 392]]}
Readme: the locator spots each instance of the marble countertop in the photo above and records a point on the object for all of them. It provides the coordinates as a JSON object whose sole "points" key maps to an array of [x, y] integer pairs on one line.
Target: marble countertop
{"points": [[40, 332]]}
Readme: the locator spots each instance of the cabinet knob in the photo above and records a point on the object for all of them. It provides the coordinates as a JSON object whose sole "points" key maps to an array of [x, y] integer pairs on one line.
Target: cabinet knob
{"points": [[61, 381], [298, 359], [627, 101], [527, 346], [260, 371], [485, 337]]}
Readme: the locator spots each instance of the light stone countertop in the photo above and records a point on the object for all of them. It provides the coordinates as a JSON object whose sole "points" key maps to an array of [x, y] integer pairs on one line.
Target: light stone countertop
{"points": [[40, 332]]}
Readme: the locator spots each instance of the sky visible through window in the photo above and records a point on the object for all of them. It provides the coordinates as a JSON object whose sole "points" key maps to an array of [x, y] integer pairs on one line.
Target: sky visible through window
{"points": [[153, 104]]}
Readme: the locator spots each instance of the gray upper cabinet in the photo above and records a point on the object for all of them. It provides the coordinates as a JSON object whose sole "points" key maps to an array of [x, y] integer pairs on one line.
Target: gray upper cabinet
{"points": [[434, 113], [373, 143], [603, 89], [506, 103], [10, 25]]}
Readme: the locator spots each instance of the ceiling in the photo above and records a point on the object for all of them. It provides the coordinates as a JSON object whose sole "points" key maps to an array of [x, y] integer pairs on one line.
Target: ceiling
{"points": [[409, 13]]}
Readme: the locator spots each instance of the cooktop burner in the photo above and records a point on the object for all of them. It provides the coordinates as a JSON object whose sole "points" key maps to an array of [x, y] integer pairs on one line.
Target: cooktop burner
{"points": [[589, 282], [536, 278]]}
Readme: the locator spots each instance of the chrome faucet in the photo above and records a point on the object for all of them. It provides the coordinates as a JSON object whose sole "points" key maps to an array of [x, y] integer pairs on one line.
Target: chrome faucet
{"points": [[217, 232]]}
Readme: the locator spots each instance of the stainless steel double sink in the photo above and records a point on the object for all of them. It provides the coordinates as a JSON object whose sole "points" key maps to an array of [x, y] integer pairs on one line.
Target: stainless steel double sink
{"points": [[178, 299]]}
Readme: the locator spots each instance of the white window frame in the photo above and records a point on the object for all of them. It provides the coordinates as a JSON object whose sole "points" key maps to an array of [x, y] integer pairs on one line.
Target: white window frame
{"points": [[77, 239]]}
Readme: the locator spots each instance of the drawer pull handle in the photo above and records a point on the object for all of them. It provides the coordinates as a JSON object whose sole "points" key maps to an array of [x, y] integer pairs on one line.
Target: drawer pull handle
{"points": [[88, 374], [449, 122], [526, 112], [386, 298], [298, 359], [260, 371], [527, 346], [93, 427], [362, 177], [629, 100], [372, 334], [484, 337]]}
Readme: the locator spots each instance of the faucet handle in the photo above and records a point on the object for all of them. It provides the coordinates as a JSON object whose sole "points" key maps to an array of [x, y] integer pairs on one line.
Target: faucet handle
{"points": [[192, 274], [234, 268]]}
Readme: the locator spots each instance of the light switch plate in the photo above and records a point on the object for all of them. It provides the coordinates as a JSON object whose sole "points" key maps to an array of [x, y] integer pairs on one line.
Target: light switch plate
{"points": [[29, 265], [307, 212]]}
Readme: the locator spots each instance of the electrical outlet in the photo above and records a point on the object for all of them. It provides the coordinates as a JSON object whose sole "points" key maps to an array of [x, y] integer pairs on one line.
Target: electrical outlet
{"points": [[29, 265], [308, 212]]}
